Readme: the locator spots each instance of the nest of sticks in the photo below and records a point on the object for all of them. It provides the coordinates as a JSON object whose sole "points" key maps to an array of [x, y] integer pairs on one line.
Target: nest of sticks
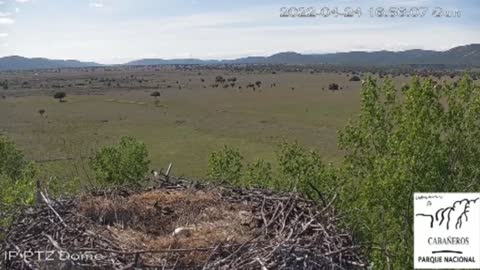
{"points": [[179, 225]]}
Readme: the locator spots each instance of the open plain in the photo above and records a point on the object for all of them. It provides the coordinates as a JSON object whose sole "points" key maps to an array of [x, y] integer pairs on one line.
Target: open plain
{"points": [[199, 110]]}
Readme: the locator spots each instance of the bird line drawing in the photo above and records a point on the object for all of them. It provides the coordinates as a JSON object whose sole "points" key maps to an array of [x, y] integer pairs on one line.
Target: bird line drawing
{"points": [[443, 216]]}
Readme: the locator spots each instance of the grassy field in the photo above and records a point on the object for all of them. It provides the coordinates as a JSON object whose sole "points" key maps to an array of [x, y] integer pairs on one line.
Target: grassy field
{"points": [[186, 124]]}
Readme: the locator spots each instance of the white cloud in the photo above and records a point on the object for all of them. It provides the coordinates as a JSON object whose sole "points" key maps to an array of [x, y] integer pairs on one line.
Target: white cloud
{"points": [[6, 21], [5, 14], [96, 5], [17, 10], [1, 2], [22, 1], [3, 35]]}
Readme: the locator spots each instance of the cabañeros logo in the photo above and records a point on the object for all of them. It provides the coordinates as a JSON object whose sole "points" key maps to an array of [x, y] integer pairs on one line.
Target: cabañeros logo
{"points": [[447, 230]]}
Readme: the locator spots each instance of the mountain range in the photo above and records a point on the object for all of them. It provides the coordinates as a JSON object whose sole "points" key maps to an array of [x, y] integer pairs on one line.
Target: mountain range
{"points": [[462, 55], [21, 63]]}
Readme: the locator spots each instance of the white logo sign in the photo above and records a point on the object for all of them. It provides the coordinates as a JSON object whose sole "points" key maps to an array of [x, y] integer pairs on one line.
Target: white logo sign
{"points": [[446, 230]]}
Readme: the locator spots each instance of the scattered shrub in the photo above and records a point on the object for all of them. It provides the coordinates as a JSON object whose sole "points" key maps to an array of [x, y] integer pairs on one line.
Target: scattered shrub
{"points": [[333, 87], [4, 85], [304, 171], [219, 79], [16, 180], [17, 192], [60, 96], [225, 165], [12, 161], [298, 169], [355, 78], [123, 163]]}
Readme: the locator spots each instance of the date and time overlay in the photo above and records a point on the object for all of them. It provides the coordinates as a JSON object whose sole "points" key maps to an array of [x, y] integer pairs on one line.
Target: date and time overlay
{"points": [[372, 12]]}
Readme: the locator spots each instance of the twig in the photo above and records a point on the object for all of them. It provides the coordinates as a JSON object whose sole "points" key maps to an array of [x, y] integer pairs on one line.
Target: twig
{"points": [[45, 199]]}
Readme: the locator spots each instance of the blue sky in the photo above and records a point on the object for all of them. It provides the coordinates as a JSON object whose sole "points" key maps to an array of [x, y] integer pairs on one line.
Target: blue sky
{"points": [[115, 31]]}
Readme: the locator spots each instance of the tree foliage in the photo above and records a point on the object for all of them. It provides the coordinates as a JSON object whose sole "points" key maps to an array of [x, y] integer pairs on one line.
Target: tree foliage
{"points": [[20, 191], [12, 160], [258, 173], [305, 172], [122, 163], [422, 139], [17, 179], [225, 165], [298, 169]]}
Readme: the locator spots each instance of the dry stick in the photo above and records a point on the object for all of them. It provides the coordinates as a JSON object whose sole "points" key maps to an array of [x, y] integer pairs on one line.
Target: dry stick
{"points": [[300, 215], [263, 213], [286, 216], [210, 256], [318, 193], [149, 251], [137, 256], [167, 173], [261, 263], [238, 249], [267, 224], [51, 208], [54, 243], [341, 250], [254, 237], [128, 266], [329, 204]]}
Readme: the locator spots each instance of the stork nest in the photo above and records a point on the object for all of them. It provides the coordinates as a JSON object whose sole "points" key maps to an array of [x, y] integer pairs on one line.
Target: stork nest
{"points": [[178, 225]]}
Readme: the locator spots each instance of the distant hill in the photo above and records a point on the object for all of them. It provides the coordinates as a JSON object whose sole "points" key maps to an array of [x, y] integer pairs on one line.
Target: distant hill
{"points": [[462, 55], [186, 61], [22, 63]]}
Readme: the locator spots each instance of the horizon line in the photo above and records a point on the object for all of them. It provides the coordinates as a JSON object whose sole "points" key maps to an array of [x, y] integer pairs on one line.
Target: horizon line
{"points": [[227, 58]]}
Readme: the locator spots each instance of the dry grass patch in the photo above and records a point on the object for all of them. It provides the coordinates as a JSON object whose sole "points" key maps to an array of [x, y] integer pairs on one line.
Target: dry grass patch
{"points": [[147, 221]]}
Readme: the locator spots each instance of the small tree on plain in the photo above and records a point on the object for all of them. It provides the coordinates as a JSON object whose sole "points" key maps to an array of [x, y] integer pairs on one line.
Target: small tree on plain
{"points": [[219, 79], [4, 85], [155, 94], [333, 86], [60, 96], [355, 78]]}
